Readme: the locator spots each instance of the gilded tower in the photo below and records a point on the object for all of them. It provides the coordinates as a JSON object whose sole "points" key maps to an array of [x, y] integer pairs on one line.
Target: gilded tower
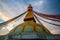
{"points": [[29, 15]]}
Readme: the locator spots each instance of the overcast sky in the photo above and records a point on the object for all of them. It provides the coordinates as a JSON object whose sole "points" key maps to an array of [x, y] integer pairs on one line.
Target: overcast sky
{"points": [[12, 8]]}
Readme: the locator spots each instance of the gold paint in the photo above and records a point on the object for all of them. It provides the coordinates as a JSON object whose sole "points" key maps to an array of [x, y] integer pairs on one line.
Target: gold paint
{"points": [[31, 23]]}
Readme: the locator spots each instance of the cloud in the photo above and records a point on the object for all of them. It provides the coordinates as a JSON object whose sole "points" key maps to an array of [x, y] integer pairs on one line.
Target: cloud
{"points": [[12, 8], [38, 3], [4, 16]]}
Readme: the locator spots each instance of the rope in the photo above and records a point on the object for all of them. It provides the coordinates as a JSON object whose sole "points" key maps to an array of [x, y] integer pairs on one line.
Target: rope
{"points": [[40, 24], [51, 16], [45, 17], [46, 21], [6, 22]]}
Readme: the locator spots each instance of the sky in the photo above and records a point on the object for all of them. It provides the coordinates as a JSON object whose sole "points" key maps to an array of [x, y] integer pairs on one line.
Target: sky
{"points": [[11, 8]]}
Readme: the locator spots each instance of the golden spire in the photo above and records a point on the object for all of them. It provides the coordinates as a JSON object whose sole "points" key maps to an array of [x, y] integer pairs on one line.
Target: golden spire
{"points": [[29, 15], [30, 8]]}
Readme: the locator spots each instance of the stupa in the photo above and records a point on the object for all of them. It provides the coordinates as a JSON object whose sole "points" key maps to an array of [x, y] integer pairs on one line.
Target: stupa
{"points": [[29, 29]]}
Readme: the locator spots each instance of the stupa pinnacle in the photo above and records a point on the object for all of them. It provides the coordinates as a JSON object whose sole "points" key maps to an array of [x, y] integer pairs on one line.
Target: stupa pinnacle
{"points": [[29, 15]]}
